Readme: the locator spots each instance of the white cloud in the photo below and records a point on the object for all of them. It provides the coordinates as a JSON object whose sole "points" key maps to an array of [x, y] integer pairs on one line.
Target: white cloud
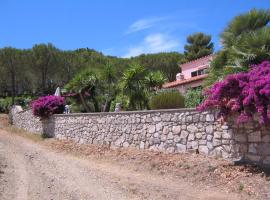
{"points": [[143, 24], [153, 43]]}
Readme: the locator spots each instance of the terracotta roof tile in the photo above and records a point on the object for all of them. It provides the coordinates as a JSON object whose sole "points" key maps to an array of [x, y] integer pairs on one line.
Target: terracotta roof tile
{"points": [[181, 82]]}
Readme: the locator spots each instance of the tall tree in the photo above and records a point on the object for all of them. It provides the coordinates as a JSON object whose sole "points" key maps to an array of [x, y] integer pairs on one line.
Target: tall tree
{"points": [[84, 85], [44, 62], [132, 85], [109, 79], [10, 66], [199, 45], [167, 63]]}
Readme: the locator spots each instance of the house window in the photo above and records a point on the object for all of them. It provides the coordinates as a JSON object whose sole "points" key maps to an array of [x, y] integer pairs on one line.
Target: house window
{"points": [[198, 72], [193, 74]]}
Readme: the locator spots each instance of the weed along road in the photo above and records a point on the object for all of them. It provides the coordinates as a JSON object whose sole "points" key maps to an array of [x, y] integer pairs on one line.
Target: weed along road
{"points": [[31, 171]]}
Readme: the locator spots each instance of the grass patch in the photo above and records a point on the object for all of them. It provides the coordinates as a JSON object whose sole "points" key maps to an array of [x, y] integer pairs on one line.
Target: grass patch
{"points": [[32, 136], [241, 187]]}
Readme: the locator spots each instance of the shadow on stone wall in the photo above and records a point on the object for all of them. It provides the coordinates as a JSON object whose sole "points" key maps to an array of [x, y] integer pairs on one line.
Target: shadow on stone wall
{"points": [[48, 127]]}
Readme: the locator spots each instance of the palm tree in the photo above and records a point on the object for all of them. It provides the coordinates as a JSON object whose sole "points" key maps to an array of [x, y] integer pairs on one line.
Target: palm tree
{"points": [[108, 76], [247, 22], [154, 80], [84, 84], [251, 47], [132, 85], [246, 41]]}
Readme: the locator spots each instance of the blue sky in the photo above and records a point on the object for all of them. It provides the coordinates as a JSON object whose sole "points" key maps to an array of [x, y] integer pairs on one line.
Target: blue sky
{"points": [[116, 27]]}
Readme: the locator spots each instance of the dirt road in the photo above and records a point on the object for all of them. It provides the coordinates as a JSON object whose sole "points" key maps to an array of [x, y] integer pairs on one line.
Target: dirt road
{"points": [[29, 170]]}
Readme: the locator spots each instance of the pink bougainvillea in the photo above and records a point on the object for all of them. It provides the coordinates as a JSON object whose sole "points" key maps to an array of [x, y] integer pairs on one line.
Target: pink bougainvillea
{"points": [[46, 106], [244, 93]]}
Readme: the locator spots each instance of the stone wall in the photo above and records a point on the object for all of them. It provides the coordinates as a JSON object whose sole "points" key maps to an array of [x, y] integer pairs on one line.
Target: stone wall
{"points": [[252, 142], [24, 119], [173, 131]]}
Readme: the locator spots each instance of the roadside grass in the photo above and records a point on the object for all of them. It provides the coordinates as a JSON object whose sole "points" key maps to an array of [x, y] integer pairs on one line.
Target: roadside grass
{"points": [[23, 133]]}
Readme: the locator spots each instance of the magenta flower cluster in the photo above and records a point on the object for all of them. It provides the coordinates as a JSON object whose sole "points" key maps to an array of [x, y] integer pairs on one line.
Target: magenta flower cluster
{"points": [[247, 94], [46, 106]]}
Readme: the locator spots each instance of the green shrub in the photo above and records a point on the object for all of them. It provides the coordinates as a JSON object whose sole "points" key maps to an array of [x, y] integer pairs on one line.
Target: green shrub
{"points": [[124, 100], [193, 98], [6, 103], [167, 100]]}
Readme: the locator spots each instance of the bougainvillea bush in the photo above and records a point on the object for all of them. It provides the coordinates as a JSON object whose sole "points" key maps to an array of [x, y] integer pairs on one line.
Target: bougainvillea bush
{"points": [[46, 106], [246, 93]]}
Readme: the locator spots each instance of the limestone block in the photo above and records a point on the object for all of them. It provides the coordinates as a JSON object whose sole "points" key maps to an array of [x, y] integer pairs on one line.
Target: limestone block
{"points": [[266, 161], [191, 137], [210, 118], [192, 145], [202, 142], [170, 149], [192, 128], [252, 148], [240, 137], [151, 129], [254, 136], [189, 119], [266, 138], [177, 138], [263, 149], [184, 134], [181, 148], [202, 118], [176, 129], [209, 137], [254, 158], [217, 135], [209, 129], [125, 144], [196, 118], [157, 119], [170, 136], [159, 126], [165, 130], [198, 135], [216, 142], [227, 134], [203, 149], [183, 127]]}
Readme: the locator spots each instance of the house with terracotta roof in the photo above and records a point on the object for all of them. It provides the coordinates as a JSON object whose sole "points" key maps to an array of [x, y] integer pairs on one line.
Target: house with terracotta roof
{"points": [[191, 74]]}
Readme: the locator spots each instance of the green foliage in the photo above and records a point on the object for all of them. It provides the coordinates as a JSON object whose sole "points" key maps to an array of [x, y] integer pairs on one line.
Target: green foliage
{"points": [[84, 87], [193, 98], [244, 23], [84, 81], [246, 41], [167, 100], [123, 100], [251, 47], [6, 103], [199, 45], [154, 80], [167, 63], [137, 83], [132, 85]]}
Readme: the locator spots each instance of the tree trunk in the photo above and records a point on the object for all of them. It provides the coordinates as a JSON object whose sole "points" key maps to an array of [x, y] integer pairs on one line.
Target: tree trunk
{"points": [[95, 104], [13, 90], [84, 103]]}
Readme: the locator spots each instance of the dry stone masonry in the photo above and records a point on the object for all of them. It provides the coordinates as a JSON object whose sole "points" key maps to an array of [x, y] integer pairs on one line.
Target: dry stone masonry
{"points": [[24, 119], [172, 131]]}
